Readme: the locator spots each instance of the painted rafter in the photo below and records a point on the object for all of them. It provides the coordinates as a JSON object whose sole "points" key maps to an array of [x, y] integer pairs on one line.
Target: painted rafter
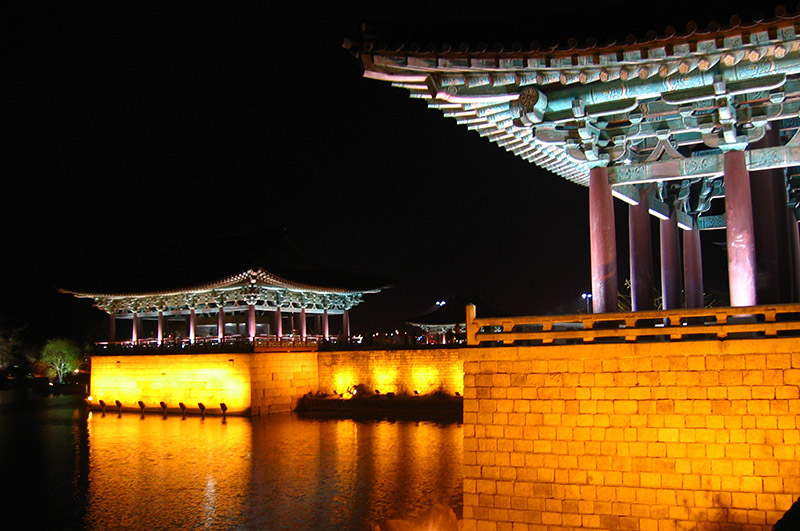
{"points": [[258, 287], [569, 109]]}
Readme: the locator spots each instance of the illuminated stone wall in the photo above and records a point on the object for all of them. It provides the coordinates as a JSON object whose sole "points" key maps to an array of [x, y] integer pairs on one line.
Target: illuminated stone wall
{"points": [[395, 371], [280, 379], [267, 382], [641, 437], [207, 378]]}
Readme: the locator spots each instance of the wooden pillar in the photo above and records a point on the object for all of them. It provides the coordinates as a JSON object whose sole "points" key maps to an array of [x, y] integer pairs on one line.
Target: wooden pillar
{"points": [[641, 254], [251, 321], [160, 333], [192, 325], [135, 328], [794, 253], [221, 322], [739, 231], [346, 324], [670, 262], [303, 331], [326, 332], [603, 242], [693, 268], [771, 231], [278, 323], [112, 327]]}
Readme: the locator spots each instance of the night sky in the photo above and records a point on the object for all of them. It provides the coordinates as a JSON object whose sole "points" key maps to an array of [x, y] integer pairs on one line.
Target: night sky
{"points": [[135, 131]]}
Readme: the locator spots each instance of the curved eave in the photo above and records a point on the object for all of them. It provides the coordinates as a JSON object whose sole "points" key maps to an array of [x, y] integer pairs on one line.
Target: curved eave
{"points": [[493, 80], [258, 277]]}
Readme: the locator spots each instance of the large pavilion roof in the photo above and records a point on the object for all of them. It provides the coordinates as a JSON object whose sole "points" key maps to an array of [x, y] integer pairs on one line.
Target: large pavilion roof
{"points": [[622, 103], [267, 269]]}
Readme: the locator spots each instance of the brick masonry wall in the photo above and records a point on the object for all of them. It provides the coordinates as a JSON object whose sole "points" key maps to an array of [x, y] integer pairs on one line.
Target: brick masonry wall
{"points": [[396, 371], [640, 437], [280, 379], [207, 378]]}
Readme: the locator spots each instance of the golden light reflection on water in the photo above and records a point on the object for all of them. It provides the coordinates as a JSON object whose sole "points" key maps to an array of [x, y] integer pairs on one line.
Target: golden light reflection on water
{"points": [[276, 472], [345, 474], [167, 474]]}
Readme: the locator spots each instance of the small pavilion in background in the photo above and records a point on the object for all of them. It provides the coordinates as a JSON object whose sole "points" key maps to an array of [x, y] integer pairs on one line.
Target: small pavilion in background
{"points": [[668, 123], [446, 323], [290, 302]]}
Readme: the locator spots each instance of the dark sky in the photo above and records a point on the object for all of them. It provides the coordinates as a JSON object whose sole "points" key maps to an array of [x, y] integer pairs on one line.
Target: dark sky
{"points": [[136, 130]]}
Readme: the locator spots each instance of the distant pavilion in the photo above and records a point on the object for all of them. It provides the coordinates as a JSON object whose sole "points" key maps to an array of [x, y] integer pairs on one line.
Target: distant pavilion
{"points": [[448, 317], [286, 303], [668, 124]]}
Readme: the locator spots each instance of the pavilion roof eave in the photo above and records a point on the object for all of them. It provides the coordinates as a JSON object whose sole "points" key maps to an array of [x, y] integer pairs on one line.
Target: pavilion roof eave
{"points": [[542, 104], [250, 277]]}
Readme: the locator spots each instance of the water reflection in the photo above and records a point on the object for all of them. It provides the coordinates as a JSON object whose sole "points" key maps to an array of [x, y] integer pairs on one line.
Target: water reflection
{"points": [[150, 473], [344, 474], [74, 470]]}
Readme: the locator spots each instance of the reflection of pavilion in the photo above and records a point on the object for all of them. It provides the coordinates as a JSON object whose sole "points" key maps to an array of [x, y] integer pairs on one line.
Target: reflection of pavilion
{"points": [[667, 124], [299, 304]]}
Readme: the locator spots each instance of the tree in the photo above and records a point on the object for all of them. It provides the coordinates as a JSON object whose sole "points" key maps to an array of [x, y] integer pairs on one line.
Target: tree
{"points": [[7, 346], [61, 357]]}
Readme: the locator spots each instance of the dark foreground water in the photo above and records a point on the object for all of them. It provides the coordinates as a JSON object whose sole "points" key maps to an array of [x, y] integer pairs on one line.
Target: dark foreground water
{"points": [[62, 467]]}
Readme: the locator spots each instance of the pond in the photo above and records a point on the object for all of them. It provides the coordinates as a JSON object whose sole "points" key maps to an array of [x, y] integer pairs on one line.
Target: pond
{"points": [[67, 468]]}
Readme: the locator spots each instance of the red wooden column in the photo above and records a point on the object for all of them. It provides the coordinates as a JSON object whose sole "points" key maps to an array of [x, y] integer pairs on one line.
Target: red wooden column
{"points": [[221, 322], [739, 230], [160, 334], [112, 327], [346, 323], [603, 242], [192, 325], [794, 253], [670, 262], [135, 328], [326, 331], [303, 330], [278, 323], [693, 268], [251, 321], [641, 254], [768, 189]]}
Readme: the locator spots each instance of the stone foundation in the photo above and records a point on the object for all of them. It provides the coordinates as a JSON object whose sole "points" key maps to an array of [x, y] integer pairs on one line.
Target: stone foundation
{"points": [[641, 437]]}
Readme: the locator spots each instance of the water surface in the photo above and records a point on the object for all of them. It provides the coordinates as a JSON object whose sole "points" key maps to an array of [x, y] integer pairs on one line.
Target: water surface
{"points": [[78, 470]]}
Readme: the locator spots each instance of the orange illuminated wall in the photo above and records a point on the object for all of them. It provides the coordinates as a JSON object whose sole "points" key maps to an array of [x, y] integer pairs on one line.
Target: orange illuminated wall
{"points": [[280, 379], [698, 435], [395, 371], [208, 378]]}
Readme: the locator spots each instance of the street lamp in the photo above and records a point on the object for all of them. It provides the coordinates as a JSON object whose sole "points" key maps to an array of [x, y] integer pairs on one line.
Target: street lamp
{"points": [[588, 298]]}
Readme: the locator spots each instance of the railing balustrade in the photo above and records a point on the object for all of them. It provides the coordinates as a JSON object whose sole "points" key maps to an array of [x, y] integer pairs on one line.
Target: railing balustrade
{"points": [[661, 325], [184, 345]]}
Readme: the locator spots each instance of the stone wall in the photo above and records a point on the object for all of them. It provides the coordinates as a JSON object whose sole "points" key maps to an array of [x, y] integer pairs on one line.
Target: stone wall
{"points": [[208, 378], [280, 379], [642, 437], [267, 382], [396, 371]]}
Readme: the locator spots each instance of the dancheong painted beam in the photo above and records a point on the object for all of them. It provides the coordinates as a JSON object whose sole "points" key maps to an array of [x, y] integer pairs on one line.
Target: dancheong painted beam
{"points": [[660, 116]]}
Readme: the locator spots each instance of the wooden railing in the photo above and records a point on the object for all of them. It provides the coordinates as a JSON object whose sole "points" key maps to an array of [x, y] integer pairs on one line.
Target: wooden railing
{"points": [[663, 325], [207, 344]]}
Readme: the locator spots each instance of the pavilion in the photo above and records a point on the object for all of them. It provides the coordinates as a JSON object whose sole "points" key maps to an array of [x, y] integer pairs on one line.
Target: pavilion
{"points": [[271, 292], [448, 319], [668, 124]]}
